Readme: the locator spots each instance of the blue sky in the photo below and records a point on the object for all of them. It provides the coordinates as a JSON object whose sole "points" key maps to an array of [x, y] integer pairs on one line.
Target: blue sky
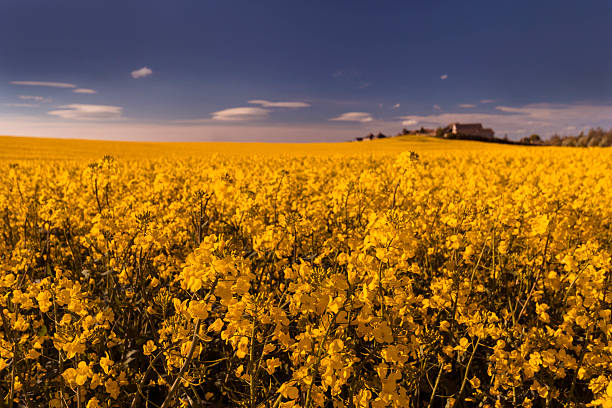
{"points": [[300, 70]]}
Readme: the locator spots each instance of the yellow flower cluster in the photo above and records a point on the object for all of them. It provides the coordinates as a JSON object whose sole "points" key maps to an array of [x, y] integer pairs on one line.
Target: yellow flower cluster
{"points": [[445, 278]]}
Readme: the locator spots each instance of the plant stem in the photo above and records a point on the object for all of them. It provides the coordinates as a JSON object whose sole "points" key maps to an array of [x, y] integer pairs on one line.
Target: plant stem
{"points": [[177, 380]]}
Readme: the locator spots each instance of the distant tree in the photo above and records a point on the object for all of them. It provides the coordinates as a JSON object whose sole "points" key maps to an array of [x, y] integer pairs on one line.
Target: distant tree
{"points": [[555, 140], [596, 133], [594, 141], [371, 136], [405, 131], [359, 139], [535, 139], [606, 140], [569, 141], [440, 132], [381, 135]]}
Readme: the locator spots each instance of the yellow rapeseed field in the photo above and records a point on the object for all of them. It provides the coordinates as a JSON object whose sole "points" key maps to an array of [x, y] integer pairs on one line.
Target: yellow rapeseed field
{"points": [[20, 148], [409, 272]]}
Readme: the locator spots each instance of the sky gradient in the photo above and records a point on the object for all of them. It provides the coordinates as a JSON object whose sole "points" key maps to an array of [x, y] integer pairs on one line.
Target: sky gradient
{"points": [[301, 70]]}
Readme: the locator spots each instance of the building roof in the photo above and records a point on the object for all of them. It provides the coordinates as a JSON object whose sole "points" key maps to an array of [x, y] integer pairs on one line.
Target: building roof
{"points": [[467, 125]]}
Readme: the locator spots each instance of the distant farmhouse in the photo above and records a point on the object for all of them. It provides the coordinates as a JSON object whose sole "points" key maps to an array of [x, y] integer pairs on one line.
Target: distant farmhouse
{"points": [[467, 131], [475, 130]]}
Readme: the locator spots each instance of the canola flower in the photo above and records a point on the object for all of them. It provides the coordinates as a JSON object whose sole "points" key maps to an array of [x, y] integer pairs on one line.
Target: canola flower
{"points": [[444, 278]]}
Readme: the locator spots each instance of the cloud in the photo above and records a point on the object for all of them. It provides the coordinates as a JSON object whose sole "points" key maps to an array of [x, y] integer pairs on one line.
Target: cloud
{"points": [[43, 83], [437, 107], [20, 105], [87, 112], [487, 100], [84, 91], [543, 118], [362, 117], [557, 113], [409, 122], [32, 98], [443, 77], [467, 105], [240, 114], [396, 106], [141, 73], [269, 104]]}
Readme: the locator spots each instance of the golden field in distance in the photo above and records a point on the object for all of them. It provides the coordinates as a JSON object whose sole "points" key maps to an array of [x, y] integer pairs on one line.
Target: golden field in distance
{"points": [[30, 148], [404, 272]]}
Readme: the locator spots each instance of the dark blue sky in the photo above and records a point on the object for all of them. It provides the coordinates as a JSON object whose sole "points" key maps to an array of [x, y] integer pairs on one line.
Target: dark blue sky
{"points": [[328, 68]]}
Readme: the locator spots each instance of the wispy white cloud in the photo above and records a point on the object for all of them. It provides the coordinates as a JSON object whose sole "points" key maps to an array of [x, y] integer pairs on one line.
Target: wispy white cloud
{"points": [[437, 107], [84, 91], [362, 117], [409, 122], [396, 106], [43, 83], [87, 112], [487, 100], [240, 114], [561, 113], [467, 105], [32, 98], [142, 72], [20, 105], [443, 77], [269, 104], [544, 119]]}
